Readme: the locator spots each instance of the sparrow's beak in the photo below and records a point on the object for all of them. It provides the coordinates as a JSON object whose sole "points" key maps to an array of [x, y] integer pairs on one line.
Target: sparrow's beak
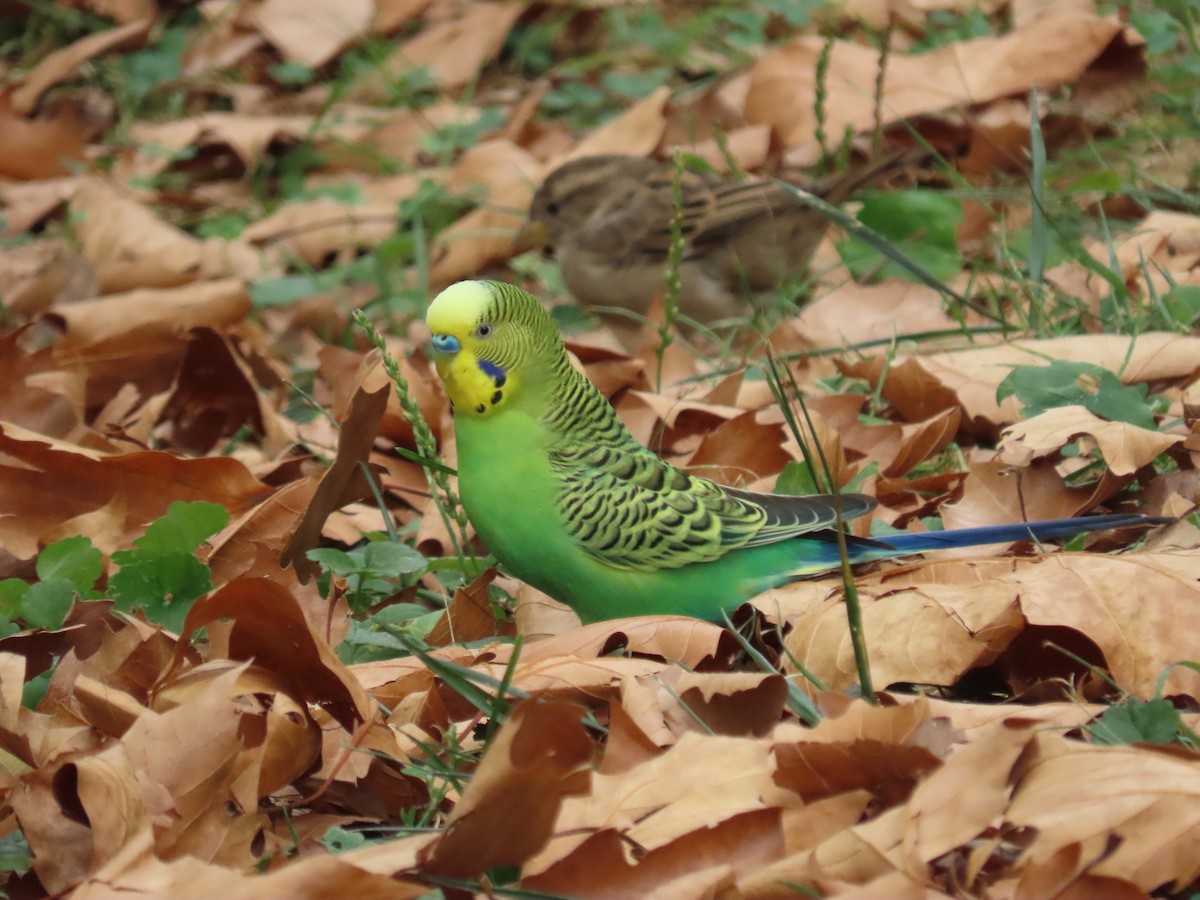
{"points": [[532, 236]]}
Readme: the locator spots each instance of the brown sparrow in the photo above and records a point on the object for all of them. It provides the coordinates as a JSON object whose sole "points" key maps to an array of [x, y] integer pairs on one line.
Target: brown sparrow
{"points": [[608, 221]]}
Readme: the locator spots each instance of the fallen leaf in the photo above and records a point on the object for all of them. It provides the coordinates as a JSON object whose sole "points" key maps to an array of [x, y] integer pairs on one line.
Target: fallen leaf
{"points": [[1126, 448], [855, 313], [39, 148], [455, 49], [1075, 793], [342, 482], [537, 760], [66, 62], [697, 784], [45, 481], [312, 32], [1048, 51], [270, 628]]}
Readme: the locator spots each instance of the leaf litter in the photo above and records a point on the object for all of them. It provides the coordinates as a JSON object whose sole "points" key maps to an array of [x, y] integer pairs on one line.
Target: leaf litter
{"points": [[177, 282]]}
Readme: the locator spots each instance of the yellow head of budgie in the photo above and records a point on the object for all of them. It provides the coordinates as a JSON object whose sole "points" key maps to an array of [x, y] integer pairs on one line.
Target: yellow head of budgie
{"points": [[481, 350]]}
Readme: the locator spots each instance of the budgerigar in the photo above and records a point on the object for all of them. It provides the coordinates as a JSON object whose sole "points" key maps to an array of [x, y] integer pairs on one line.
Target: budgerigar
{"points": [[571, 503]]}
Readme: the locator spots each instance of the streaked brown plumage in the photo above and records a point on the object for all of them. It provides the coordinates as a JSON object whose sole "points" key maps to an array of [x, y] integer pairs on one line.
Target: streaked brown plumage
{"points": [[608, 221]]}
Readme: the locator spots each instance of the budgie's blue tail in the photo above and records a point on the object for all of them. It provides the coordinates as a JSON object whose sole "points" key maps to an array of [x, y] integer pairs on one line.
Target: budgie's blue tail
{"points": [[1049, 530]]}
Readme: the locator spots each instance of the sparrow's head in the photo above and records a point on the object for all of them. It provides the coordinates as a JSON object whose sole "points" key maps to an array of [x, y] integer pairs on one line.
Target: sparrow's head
{"points": [[493, 344], [576, 192]]}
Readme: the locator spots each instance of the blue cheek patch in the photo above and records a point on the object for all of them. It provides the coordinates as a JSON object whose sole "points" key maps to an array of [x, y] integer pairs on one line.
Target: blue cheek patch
{"points": [[494, 372]]}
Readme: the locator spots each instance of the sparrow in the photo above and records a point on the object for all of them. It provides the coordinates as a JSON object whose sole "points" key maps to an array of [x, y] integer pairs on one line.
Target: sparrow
{"points": [[607, 219]]}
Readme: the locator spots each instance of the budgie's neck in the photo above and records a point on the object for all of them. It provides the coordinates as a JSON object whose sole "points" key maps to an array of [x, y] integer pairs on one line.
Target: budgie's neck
{"points": [[574, 409], [585, 424]]}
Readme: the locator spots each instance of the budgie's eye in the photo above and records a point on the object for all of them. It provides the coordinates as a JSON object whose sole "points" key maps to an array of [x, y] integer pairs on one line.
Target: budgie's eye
{"points": [[483, 330]]}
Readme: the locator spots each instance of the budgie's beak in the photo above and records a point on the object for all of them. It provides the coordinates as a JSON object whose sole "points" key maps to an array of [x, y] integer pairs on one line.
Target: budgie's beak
{"points": [[446, 343]]}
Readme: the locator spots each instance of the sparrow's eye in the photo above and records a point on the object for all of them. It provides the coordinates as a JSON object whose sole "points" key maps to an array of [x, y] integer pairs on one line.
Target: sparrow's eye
{"points": [[552, 208], [483, 330]]}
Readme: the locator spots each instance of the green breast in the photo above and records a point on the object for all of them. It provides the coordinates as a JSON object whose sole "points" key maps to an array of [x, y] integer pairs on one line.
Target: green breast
{"points": [[510, 492]]}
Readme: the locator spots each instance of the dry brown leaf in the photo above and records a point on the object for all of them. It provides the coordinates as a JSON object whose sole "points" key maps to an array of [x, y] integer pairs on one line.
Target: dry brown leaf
{"points": [[697, 784], [252, 543], [1067, 875], [47, 402], [681, 639], [1075, 793], [627, 745], [1163, 238], [28, 203], [39, 148], [314, 230], [701, 864], [736, 703], [286, 740], [963, 798], [637, 131], [804, 828], [35, 275], [485, 234], [202, 806], [124, 10], [468, 616], [897, 449], [246, 137], [391, 14], [106, 709], [454, 50], [343, 482], [994, 494], [270, 628], [1051, 50], [44, 482], [65, 63], [740, 451], [79, 815], [929, 634], [884, 752], [348, 372], [128, 656], [538, 759], [1126, 448], [138, 873], [538, 615], [856, 313], [748, 146], [999, 141], [140, 337], [130, 247], [697, 414], [149, 314], [1135, 608], [311, 32], [580, 679], [917, 386], [215, 396], [971, 721]]}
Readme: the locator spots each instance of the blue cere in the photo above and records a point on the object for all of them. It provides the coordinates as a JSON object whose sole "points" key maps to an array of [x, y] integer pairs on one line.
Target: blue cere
{"points": [[445, 343]]}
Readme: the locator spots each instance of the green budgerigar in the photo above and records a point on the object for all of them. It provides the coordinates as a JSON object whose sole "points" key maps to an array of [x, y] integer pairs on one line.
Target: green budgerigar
{"points": [[571, 503]]}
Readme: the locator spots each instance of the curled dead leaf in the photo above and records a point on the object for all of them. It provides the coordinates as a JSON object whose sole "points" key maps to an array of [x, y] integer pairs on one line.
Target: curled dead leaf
{"points": [[1126, 448]]}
